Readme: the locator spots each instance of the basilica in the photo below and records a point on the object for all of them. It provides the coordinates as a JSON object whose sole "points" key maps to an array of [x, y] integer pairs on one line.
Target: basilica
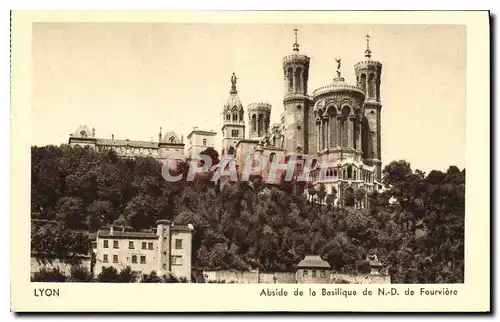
{"points": [[338, 122]]}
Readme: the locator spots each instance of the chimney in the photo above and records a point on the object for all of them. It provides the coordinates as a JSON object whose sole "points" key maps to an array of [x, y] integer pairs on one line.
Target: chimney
{"points": [[111, 230], [112, 137]]}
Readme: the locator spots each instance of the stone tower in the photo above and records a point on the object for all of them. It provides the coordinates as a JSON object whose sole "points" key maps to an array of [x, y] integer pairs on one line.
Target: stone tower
{"points": [[259, 115], [368, 74], [233, 128], [296, 102]]}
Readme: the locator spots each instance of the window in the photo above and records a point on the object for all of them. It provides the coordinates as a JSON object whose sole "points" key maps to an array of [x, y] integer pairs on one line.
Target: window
{"points": [[165, 253], [143, 259], [204, 142], [176, 260], [150, 246], [134, 259], [322, 274], [143, 245], [106, 245], [235, 133], [304, 273], [115, 244], [272, 156], [115, 258], [178, 244], [105, 258], [130, 245], [313, 273], [164, 265], [83, 134]]}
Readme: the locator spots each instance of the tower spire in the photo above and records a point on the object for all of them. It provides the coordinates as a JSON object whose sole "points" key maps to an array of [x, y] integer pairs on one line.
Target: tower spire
{"points": [[368, 52], [296, 44]]}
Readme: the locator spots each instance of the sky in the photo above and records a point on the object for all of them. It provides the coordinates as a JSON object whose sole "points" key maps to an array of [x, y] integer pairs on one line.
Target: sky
{"points": [[130, 79]]}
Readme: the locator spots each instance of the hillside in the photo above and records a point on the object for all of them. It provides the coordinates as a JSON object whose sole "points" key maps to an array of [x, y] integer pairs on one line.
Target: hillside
{"points": [[421, 238]]}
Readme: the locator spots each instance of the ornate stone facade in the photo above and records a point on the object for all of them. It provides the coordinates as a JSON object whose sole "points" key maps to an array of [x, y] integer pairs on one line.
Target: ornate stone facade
{"points": [[339, 123]]}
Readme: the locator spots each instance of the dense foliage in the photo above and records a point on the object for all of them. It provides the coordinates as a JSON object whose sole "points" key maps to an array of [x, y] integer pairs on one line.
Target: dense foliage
{"points": [[80, 274], [247, 225]]}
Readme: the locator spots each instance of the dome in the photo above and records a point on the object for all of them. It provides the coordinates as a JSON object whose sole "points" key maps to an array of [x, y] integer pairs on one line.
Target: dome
{"points": [[83, 131], [339, 86], [171, 137]]}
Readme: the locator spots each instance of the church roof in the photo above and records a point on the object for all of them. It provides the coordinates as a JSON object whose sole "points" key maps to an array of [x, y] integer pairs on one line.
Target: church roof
{"points": [[313, 261], [233, 103], [339, 86]]}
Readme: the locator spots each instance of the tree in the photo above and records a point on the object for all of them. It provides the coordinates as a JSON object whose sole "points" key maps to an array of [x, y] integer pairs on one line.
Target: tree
{"points": [[80, 274], [70, 210], [151, 278], [127, 275], [321, 192], [311, 191], [349, 200], [250, 225], [108, 275], [52, 275], [359, 197]]}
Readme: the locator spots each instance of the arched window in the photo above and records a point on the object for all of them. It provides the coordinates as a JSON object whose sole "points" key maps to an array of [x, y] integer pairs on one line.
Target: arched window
{"points": [[349, 172], [334, 172], [83, 134], [298, 82], [290, 78], [204, 142], [228, 116], [371, 85], [235, 117], [171, 139], [354, 175], [363, 82], [254, 123]]}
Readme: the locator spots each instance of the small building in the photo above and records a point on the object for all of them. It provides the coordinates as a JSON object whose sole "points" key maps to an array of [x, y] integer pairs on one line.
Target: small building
{"points": [[313, 270], [199, 141], [164, 252]]}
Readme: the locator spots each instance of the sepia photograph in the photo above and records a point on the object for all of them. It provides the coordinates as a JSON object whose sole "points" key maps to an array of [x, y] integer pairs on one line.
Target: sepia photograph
{"points": [[265, 153]]}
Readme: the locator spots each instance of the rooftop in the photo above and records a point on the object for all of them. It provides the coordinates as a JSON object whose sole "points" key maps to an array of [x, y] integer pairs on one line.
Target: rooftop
{"points": [[313, 261]]}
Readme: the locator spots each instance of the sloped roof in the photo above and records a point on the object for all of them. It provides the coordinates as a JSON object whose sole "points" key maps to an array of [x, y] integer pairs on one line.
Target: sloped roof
{"points": [[313, 261], [127, 234]]}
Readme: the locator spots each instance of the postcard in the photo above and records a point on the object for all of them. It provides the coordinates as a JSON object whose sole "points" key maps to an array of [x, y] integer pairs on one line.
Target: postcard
{"points": [[250, 161]]}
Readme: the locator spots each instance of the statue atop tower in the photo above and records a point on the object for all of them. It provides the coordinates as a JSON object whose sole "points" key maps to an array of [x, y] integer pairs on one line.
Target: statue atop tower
{"points": [[339, 64], [233, 128], [233, 84]]}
